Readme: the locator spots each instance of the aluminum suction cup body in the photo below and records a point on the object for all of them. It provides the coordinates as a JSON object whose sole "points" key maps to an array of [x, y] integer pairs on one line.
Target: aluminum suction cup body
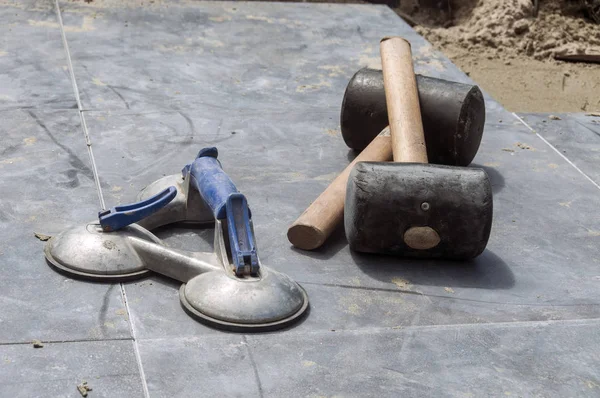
{"points": [[265, 301], [268, 302], [87, 252], [243, 296], [101, 250]]}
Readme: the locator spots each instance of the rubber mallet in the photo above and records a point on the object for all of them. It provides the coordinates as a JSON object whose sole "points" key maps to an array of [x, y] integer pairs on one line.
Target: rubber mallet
{"points": [[453, 115], [408, 207]]}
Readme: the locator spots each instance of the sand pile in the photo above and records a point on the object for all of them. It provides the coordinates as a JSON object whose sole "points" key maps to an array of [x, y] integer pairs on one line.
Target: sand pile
{"points": [[507, 28]]}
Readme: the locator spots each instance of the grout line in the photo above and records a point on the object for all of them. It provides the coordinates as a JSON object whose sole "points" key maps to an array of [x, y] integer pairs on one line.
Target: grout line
{"points": [[68, 54], [261, 393], [557, 151], [67, 341], [439, 296], [293, 332], [84, 128], [136, 349]]}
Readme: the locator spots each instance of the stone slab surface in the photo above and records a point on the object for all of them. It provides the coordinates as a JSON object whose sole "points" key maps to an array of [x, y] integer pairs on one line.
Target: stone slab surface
{"points": [[264, 82]]}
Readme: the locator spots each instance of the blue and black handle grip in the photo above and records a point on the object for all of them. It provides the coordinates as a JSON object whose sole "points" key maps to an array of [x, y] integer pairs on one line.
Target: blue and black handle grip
{"points": [[226, 203]]}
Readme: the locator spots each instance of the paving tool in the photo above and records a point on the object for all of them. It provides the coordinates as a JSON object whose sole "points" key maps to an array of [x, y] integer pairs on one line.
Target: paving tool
{"points": [[408, 207], [227, 288], [453, 115]]}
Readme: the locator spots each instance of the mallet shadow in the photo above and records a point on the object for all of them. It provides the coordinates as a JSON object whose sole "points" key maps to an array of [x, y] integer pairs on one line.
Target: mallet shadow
{"points": [[487, 271], [334, 244], [496, 179], [352, 154]]}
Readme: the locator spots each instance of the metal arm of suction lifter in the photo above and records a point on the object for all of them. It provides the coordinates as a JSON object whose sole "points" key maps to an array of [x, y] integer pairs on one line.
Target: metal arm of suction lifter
{"points": [[226, 202]]}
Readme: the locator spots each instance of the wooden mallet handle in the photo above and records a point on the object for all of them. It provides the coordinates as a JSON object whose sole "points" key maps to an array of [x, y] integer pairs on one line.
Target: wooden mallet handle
{"points": [[406, 126], [321, 218], [404, 111]]}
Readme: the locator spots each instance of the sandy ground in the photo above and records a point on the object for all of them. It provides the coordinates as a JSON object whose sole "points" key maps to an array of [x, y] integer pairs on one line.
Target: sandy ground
{"points": [[529, 85], [518, 70], [510, 52]]}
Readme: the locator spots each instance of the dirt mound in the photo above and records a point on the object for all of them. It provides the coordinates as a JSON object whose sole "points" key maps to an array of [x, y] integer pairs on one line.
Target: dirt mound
{"points": [[507, 28]]}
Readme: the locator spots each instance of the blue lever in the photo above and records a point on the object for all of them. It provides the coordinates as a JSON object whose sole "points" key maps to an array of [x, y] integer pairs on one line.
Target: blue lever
{"points": [[241, 237], [226, 202], [121, 216]]}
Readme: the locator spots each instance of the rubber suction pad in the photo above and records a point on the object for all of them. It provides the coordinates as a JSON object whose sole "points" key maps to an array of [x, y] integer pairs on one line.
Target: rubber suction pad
{"points": [[87, 252], [270, 302]]}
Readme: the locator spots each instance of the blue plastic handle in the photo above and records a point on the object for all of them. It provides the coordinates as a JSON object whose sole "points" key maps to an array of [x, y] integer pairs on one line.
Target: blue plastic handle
{"points": [[213, 184], [226, 202], [121, 216]]}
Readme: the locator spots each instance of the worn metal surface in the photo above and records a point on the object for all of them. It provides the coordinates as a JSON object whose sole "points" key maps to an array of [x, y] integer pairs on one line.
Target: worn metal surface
{"points": [[519, 319], [86, 251]]}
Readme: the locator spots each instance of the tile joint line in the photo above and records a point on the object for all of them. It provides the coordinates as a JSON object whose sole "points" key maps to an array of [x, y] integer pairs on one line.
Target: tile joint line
{"points": [[88, 143], [136, 349], [86, 134], [557, 151]]}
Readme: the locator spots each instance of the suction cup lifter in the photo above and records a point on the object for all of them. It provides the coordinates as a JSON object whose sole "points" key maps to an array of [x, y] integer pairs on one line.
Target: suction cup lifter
{"points": [[218, 191], [226, 202], [227, 288]]}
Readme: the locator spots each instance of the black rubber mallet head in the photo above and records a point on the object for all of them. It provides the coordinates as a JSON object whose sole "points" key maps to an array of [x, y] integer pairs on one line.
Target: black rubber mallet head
{"points": [[408, 207], [453, 115]]}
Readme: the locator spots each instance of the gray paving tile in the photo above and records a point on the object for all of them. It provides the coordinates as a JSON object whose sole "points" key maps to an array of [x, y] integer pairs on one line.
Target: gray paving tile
{"points": [[575, 135], [189, 75], [157, 313], [224, 57], [200, 367], [109, 367], [366, 308], [46, 186], [283, 161], [543, 359], [33, 66]]}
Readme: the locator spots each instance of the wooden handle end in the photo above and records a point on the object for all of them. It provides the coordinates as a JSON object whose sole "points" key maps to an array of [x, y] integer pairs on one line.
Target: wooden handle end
{"points": [[306, 237], [320, 219], [394, 38]]}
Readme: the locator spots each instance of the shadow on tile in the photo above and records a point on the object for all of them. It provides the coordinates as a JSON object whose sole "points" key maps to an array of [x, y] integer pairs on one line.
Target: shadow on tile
{"points": [[496, 178], [187, 237], [333, 245], [351, 155], [488, 271], [163, 287]]}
